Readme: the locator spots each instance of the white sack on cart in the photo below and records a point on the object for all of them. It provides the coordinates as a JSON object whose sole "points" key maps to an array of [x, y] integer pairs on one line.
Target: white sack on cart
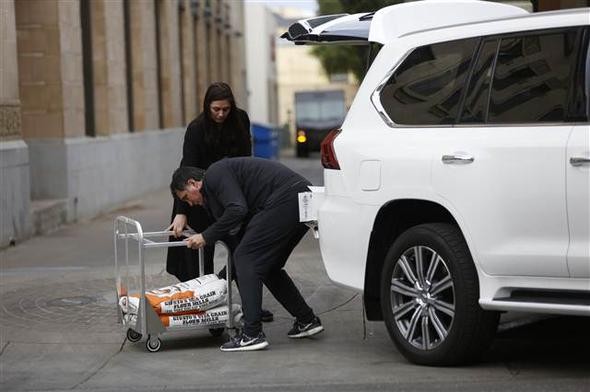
{"points": [[212, 317], [129, 304], [200, 297], [192, 296], [130, 319]]}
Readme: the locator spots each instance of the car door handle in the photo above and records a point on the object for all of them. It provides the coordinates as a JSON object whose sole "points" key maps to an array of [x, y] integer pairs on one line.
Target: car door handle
{"points": [[579, 161], [460, 159]]}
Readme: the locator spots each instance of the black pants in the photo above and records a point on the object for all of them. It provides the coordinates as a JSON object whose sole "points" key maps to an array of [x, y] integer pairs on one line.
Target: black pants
{"points": [[268, 240]]}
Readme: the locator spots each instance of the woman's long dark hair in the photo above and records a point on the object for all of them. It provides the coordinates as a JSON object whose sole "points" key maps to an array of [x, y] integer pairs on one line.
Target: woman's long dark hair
{"points": [[224, 138]]}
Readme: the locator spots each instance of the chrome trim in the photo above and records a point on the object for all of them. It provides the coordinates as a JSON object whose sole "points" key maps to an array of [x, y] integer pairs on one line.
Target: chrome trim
{"points": [[459, 159], [488, 125], [508, 125], [579, 161], [531, 307], [376, 101], [376, 94]]}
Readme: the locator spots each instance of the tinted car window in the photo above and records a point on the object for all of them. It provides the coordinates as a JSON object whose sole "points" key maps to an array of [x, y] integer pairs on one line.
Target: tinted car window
{"points": [[531, 78], [477, 99], [426, 88], [579, 108]]}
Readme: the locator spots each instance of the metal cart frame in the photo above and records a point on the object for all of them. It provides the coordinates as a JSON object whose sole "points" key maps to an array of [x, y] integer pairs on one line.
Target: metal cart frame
{"points": [[147, 323]]}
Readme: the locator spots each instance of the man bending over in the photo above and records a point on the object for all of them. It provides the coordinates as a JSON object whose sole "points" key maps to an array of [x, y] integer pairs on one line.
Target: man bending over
{"points": [[257, 200]]}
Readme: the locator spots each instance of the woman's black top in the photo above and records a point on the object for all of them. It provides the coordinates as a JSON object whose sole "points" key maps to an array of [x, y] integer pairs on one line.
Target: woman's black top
{"points": [[199, 152]]}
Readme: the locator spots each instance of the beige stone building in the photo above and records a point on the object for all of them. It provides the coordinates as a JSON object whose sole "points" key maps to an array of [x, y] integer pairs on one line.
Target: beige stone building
{"points": [[95, 96]]}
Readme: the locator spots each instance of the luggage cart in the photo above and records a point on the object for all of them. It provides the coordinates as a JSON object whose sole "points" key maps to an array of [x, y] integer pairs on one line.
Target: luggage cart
{"points": [[147, 323]]}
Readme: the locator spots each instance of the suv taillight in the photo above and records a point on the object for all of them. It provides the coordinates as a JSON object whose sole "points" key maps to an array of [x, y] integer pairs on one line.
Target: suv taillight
{"points": [[329, 160]]}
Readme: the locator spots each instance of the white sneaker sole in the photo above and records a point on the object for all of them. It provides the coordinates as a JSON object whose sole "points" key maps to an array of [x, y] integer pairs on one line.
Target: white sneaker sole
{"points": [[308, 333], [252, 347]]}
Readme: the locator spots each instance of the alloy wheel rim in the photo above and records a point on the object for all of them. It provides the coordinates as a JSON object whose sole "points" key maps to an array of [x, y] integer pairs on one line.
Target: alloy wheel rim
{"points": [[422, 297]]}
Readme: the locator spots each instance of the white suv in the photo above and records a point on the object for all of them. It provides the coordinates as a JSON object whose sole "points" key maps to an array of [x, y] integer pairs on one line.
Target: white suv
{"points": [[458, 186]]}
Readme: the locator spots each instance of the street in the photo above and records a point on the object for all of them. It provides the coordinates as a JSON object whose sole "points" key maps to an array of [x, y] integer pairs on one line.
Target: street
{"points": [[59, 329]]}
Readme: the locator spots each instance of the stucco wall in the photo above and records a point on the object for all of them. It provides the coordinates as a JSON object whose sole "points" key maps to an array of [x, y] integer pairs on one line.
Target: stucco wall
{"points": [[14, 191], [97, 174]]}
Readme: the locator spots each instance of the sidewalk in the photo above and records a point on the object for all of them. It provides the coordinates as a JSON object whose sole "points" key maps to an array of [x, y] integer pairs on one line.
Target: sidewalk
{"points": [[59, 326]]}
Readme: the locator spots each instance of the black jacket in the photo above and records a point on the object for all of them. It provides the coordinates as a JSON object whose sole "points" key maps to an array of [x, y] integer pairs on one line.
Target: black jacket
{"points": [[196, 152], [182, 262], [235, 189]]}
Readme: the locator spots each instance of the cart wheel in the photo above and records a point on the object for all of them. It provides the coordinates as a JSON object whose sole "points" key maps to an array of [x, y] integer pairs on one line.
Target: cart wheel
{"points": [[153, 345], [216, 331], [133, 336]]}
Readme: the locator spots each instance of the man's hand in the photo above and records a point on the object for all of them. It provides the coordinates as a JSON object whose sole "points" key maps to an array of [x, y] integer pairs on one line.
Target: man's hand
{"points": [[178, 224], [195, 242]]}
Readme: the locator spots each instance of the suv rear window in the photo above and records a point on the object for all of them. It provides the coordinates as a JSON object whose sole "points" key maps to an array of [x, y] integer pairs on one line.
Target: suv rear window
{"points": [[426, 88]]}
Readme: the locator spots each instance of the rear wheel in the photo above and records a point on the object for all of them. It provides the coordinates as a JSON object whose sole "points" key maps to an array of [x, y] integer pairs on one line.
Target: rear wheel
{"points": [[429, 297]]}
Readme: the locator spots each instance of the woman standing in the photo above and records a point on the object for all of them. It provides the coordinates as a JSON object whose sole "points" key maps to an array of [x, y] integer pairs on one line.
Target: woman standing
{"points": [[221, 130]]}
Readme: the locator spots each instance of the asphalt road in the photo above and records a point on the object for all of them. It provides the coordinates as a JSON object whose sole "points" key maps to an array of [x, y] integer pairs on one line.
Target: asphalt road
{"points": [[59, 329]]}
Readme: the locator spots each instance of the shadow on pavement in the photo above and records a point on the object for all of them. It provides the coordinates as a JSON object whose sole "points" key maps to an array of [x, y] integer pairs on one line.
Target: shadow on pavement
{"points": [[553, 343]]}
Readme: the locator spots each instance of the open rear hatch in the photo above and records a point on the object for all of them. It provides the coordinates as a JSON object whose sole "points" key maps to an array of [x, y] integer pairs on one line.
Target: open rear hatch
{"points": [[397, 20], [338, 28]]}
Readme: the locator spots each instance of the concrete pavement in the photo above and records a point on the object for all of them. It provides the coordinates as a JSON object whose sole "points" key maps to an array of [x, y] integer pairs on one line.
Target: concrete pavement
{"points": [[59, 330]]}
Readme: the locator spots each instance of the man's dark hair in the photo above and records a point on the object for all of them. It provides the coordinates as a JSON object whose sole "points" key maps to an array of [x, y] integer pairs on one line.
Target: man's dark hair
{"points": [[182, 175]]}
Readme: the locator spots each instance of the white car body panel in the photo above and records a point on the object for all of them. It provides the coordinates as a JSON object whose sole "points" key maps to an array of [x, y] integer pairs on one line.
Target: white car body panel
{"points": [[578, 203], [503, 195], [343, 249], [395, 21], [494, 288]]}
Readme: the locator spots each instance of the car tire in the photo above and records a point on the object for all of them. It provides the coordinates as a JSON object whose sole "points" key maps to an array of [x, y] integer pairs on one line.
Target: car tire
{"points": [[430, 303]]}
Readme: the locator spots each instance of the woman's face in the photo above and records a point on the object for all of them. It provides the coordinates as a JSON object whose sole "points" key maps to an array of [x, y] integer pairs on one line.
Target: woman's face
{"points": [[219, 110]]}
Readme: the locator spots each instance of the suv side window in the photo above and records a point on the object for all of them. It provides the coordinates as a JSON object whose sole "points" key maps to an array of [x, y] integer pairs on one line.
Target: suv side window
{"points": [[426, 88], [531, 78]]}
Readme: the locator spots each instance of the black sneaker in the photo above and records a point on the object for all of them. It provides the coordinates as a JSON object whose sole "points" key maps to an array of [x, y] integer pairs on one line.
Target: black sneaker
{"points": [[266, 316], [303, 330], [243, 342]]}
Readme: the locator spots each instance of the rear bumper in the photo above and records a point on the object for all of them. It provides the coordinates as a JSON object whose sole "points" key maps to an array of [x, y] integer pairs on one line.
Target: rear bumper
{"points": [[344, 229], [344, 249]]}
